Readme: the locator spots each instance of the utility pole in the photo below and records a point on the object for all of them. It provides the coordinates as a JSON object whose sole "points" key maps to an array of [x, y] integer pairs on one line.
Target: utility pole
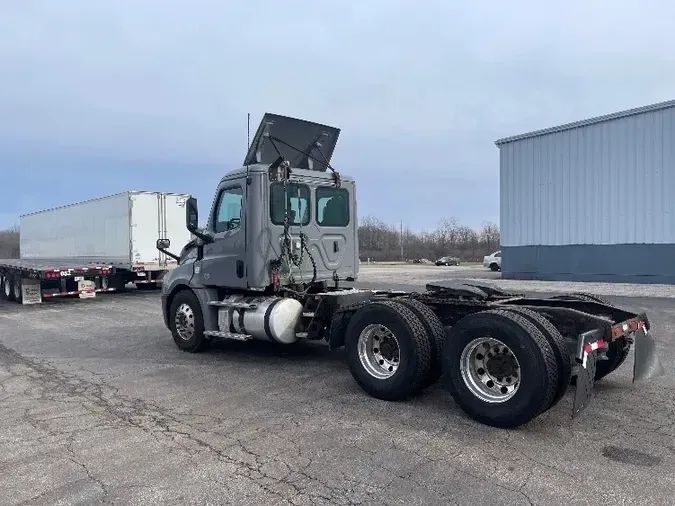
{"points": [[401, 239]]}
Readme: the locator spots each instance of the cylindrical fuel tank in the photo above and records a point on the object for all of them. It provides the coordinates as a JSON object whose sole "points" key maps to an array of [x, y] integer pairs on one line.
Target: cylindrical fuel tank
{"points": [[272, 319]]}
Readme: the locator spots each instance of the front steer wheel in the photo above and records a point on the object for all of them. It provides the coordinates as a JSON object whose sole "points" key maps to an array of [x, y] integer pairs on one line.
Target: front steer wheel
{"points": [[388, 350], [187, 323], [500, 369]]}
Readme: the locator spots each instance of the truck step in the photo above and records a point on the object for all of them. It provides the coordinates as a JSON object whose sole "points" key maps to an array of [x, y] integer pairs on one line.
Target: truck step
{"points": [[228, 335], [233, 305]]}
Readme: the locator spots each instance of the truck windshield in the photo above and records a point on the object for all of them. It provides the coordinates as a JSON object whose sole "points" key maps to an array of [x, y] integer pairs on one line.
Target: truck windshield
{"points": [[297, 203], [332, 207]]}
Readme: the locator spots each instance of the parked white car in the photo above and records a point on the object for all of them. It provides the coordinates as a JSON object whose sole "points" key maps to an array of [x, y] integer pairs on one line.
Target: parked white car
{"points": [[493, 261]]}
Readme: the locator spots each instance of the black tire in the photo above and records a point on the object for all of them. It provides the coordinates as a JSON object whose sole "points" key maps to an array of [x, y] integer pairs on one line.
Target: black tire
{"points": [[537, 366], [146, 286], [559, 345], [2, 287], [618, 349], [16, 288], [117, 282], [8, 291], [494, 267], [340, 321], [198, 342], [616, 355], [414, 346], [436, 334]]}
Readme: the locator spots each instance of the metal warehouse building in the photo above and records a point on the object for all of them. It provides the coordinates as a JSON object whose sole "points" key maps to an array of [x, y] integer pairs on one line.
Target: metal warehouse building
{"points": [[592, 200]]}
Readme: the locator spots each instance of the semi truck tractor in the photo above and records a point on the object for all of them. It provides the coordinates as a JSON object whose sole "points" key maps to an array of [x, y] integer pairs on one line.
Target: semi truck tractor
{"points": [[98, 245], [277, 260]]}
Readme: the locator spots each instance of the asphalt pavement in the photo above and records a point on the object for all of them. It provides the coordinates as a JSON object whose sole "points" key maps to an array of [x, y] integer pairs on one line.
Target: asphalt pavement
{"points": [[98, 406]]}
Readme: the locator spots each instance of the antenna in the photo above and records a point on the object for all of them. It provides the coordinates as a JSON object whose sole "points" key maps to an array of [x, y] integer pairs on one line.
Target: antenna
{"points": [[248, 144]]}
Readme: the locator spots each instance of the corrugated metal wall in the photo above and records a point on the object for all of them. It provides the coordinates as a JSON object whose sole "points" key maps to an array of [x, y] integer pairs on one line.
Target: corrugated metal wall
{"points": [[605, 183]]}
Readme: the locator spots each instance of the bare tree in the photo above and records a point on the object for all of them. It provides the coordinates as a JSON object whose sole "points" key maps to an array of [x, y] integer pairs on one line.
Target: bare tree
{"points": [[381, 242], [9, 243]]}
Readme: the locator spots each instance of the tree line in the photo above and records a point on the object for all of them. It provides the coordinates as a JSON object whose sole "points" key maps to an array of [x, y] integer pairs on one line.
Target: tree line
{"points": [[381, 241], [9, 243]]}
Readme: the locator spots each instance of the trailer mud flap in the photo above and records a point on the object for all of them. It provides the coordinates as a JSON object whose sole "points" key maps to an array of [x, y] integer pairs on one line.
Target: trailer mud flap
{"points": [[647, 364], [31, 291]]}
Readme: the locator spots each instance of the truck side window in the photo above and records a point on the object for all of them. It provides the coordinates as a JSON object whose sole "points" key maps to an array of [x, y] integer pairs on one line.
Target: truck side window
{"points": [[228, 211], [332, 207], [297, 203]]}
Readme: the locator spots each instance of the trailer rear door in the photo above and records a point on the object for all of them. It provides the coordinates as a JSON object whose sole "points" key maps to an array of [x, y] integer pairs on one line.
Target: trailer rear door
{"points": [[156, 215]]}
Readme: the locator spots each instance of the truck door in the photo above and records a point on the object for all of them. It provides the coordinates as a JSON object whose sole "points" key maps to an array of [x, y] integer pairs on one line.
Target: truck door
{"points": [[223, 260]]}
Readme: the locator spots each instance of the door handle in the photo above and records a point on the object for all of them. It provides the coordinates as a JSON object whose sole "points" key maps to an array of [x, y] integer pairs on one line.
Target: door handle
{"points": [[336, 247]]}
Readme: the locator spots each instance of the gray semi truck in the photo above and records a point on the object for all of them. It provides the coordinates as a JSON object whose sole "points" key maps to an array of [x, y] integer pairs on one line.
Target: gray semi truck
{"points": [[275, 262]]}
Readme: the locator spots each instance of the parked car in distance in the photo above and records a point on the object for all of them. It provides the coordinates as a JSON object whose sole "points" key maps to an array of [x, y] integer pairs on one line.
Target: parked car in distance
{"points": [[447, 261], [493, 261]]}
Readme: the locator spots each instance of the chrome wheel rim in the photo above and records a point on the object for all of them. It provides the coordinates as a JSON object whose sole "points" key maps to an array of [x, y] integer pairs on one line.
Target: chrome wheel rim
{"points": [[490, 370], [379, 351], [17, 287], [7, 287], [185, 322]]}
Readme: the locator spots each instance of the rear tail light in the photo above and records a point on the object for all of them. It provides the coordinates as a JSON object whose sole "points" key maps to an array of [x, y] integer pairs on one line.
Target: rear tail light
{"points": [[626, 327]]}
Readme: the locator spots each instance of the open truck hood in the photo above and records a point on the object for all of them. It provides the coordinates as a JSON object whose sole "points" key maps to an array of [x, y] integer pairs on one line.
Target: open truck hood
{"points": [[312, 138]]}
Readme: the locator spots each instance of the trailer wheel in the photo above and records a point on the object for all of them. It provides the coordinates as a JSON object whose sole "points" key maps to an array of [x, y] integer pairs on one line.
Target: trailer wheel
{"points": [[187, 322], [559, 345], [16, 287], [146, 286], [7, 289], [388, 350], [500, 369], [436, 333]]}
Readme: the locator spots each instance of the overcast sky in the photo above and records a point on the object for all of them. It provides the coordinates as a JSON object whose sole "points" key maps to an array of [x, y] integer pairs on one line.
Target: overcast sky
{"points": [[98, 97]]}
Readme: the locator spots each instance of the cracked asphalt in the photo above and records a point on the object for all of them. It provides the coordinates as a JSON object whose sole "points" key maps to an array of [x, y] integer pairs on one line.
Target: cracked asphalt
{"points": [[98, 406]]}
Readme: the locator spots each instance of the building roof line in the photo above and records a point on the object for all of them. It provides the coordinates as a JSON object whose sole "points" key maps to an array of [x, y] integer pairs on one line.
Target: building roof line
{"points": [[598, 119]]}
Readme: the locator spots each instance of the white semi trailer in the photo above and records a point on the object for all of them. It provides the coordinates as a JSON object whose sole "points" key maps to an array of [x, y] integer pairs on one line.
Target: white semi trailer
{"points": [[98, 245]]}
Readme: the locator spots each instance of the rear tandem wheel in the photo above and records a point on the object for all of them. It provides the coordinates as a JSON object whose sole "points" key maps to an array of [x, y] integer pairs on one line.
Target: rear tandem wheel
{"points": [[557, 342], [436, 333], [499, 368], [388, 350]]}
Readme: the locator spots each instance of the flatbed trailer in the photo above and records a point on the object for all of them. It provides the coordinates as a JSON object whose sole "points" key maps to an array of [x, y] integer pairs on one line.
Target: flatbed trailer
{"points": [[32, 281]]}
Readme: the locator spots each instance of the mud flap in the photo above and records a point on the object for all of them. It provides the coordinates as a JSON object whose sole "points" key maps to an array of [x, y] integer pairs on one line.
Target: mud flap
{"points": [[646, 364], [586, 357], [31, 291]]}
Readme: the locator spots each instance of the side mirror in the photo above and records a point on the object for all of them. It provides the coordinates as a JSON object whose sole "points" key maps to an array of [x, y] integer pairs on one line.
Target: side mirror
{"points": [[192, 220], [163, 245], [191, 215]]}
